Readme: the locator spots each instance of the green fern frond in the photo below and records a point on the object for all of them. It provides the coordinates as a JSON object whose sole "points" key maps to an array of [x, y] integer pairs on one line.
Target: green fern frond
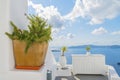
{"points": [[38, 31]]}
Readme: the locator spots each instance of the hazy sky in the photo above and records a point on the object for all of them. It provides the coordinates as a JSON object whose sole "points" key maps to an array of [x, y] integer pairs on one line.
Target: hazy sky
{"points": [[80, 22]]}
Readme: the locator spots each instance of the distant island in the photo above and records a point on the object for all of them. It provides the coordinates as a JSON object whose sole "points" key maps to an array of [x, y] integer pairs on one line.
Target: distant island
{"points": [[96, 46], [57, 49]]}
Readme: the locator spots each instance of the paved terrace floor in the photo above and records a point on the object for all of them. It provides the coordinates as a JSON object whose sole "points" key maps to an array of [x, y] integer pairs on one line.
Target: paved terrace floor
{"points": [[82, 77]]}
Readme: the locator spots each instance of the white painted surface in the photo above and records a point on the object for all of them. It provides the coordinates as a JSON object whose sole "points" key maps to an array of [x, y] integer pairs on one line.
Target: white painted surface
{"points": [[14, 10], [10, 10], [88, 53], [63, 61], [89, 64], [31, 74], [63, 72], [18, 8], [4, 41], [113, 74]]}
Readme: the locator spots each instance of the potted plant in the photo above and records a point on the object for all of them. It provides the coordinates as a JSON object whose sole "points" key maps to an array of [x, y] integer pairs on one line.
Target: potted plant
{"points": [[30, 46], [88, 50], [63, 60]]}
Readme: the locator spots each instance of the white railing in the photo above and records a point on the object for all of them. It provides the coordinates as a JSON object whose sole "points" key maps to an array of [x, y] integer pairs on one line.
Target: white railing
{"points": [[89, 64]]}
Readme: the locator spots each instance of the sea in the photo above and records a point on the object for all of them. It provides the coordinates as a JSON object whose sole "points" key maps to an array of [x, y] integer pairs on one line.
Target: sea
{"points": [[112, 54]]}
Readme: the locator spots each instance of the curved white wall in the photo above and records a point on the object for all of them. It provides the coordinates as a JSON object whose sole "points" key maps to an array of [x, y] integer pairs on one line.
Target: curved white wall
{"points": [[4, 41], [17, 10], [10, 10], [14, 10]]}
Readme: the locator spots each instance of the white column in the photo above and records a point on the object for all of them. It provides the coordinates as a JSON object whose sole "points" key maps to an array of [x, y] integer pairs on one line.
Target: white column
{"points": [[10, 10]]}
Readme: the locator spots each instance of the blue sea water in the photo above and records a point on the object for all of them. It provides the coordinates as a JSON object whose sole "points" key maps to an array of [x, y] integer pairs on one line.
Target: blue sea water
{"points": [[112, 54]]}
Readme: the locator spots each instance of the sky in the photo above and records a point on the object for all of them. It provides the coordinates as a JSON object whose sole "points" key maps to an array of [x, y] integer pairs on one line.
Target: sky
{"points": [[80, 22]]}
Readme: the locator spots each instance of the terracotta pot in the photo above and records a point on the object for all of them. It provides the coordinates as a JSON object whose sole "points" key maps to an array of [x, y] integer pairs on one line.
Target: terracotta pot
{"points": [[33, 59]]}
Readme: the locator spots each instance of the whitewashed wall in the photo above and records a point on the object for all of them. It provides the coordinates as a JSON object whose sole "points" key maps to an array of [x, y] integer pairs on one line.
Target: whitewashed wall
{"points": [[17, 10], [10, 10], [14, 10], [4, 41]]}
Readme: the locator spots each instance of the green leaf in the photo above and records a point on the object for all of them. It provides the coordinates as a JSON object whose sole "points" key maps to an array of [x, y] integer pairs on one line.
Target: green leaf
{"points": [[38, 31]]}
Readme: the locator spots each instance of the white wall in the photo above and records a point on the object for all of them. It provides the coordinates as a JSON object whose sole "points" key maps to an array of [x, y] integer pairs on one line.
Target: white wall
{"points": [[14, 10], [4, 41], [17, 10], [10, 10]]}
